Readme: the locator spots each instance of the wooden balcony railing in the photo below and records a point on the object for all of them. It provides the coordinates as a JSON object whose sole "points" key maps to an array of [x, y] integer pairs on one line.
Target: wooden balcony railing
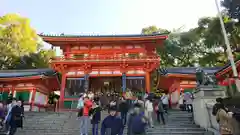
{"points": [[107, 58]]}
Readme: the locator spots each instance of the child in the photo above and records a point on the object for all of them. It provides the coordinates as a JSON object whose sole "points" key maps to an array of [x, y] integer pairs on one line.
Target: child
{"points": [[95, 116], [112, 125]]}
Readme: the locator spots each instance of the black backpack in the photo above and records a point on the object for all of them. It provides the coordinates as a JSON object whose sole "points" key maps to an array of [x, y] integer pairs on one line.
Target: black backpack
{"points": [[215, 109]]}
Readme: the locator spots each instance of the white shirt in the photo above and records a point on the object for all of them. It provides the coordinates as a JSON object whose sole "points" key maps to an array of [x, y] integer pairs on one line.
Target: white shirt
{"points": [[91, 95], [165, 99], [149, 106], [180, 102]]}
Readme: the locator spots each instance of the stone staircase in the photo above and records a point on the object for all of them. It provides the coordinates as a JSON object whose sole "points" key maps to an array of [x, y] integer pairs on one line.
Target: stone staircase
{"points": [[65, 123]]}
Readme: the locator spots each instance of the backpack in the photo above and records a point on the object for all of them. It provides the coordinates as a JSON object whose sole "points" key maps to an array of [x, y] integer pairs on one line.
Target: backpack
{"points": [[215, 109], [137, 124]]}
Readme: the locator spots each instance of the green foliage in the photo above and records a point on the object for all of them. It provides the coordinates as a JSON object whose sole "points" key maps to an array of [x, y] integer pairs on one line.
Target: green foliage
{"points": [[52, 98], [18, 34], [20, 46], [203, 45]]}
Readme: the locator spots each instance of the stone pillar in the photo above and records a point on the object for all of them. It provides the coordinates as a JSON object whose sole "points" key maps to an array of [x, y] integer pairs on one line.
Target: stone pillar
{"points": [[124, 82], [203, 97], [86, 82]]}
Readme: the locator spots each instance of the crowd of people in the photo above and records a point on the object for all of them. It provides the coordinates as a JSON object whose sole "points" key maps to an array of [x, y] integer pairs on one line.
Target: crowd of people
{"points": [[134, 112]]}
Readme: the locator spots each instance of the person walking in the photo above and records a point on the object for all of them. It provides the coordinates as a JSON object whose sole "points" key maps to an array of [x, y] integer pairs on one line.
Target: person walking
{"points": [[112, 125], [85, 116], [123, 108], [160, 112], [223, 117], [15, 120], [165, 100], [149, 111], [95, 116], [137, 122]]}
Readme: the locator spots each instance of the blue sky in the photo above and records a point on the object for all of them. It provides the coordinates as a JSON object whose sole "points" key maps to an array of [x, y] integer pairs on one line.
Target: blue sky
{"points": [[108, 16]]}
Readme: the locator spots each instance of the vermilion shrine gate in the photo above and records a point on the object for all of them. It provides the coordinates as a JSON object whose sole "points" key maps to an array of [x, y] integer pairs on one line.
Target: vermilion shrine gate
{"points": [[104, 62]]}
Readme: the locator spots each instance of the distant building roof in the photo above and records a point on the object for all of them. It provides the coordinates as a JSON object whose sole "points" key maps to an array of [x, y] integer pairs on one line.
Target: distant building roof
{"points": [[26, 73], [186, 70]]}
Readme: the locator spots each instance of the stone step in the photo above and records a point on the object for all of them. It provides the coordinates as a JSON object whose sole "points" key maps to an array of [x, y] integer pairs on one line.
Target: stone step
{"points": [[66, 123]]}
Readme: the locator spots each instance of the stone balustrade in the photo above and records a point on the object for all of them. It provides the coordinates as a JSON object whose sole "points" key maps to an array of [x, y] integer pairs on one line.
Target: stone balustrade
{"points": [[205, 98]]}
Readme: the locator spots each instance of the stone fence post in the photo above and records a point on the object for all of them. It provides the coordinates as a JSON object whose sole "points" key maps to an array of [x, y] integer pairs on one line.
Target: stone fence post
{"points": [[204, 99]]}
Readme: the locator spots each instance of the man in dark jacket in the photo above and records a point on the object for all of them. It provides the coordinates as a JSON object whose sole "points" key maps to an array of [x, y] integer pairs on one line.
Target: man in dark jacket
{"points": [[112, 125], [137, 122], [123, 108], [16, 118]]}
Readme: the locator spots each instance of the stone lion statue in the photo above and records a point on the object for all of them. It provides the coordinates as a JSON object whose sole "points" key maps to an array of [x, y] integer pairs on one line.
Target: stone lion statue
{"points": [[202, 78]]}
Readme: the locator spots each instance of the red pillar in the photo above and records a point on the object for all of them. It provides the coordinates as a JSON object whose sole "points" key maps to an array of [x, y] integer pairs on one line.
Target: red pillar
{"points": [[62, 91], [147, 82], [67, 55]]}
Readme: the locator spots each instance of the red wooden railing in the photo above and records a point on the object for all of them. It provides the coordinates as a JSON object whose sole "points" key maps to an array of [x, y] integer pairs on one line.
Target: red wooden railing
{"points": [[108, 58]]}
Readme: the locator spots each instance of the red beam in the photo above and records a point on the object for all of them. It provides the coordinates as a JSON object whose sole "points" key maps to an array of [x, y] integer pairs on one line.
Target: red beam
{"points": [[106, 51]]}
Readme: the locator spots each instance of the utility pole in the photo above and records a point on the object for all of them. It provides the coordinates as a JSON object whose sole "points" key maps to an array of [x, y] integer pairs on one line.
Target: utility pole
{"points": [[229, 50]]}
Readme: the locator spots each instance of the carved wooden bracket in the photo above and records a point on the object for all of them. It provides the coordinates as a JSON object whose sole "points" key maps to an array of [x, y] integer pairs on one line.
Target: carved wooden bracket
{"points": [[123, 68], [87, 68]]}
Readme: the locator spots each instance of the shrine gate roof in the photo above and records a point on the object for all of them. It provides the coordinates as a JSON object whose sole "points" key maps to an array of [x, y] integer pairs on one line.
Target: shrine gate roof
{"points": [[139, 38], [187, 70], [26, 73], [227, 69]]}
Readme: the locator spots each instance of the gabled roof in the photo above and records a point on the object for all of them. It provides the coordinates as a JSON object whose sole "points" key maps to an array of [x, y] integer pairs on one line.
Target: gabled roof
{"points": [[227, 68], [187, 70], [62, 40], [103, 36], [26, 73]]}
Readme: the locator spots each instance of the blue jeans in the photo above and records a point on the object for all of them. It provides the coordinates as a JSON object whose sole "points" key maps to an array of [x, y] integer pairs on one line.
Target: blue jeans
{"points": [[84, 124], [94, 129], [124, 117]]}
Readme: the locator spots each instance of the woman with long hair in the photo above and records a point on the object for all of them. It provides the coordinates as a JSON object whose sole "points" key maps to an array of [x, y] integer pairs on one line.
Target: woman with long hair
{"points": [[224, 117]]}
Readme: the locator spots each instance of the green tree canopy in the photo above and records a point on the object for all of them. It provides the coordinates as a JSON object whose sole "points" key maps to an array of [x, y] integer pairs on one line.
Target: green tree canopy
{"points": [[203, 45], [20, 46]]}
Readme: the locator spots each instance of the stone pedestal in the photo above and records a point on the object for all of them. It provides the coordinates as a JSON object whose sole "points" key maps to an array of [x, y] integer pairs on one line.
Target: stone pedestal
{"points": [[203, 97]]}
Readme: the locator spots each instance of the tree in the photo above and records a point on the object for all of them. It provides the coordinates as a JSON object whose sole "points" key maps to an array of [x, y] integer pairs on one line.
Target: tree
{"points": [[34, 60], [18, 34], [20, 45], [178, 49], [232, 7]]}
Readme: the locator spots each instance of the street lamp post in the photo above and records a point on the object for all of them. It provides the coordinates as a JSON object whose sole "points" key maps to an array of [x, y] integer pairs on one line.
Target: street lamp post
{"points": [[229, 50]]}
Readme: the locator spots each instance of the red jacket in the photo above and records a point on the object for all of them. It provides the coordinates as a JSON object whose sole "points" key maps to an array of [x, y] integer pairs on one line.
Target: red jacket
{"points": [[87, 106]]}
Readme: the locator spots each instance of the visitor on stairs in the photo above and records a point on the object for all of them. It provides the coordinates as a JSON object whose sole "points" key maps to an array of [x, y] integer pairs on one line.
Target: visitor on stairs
{"points": [[112, 125], [137, 122], [8, 116], [160, 112], [149, 111], [180, 102], [123, 108], [164, 99], [85, 119], [224, 117], [15, 118], [95, 116]]}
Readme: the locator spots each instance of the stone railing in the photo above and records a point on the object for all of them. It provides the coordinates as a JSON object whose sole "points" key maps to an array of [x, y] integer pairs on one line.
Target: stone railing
{"points": [[202, 110], [213, 125]]}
